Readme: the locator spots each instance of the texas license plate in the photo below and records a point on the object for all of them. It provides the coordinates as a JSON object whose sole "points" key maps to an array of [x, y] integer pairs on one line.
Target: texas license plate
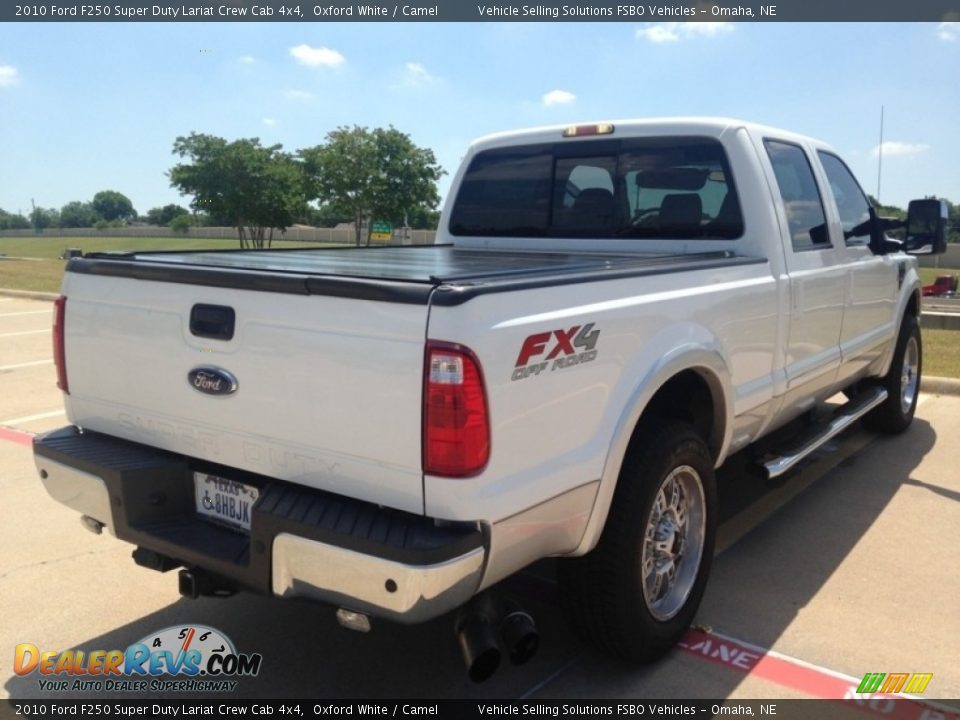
{"points": [[226, 501]]}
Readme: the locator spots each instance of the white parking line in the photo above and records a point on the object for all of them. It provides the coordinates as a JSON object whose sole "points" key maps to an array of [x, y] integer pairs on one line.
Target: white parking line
{"points": [[26, 364], [28, 312], [31, 418], [25, 332]]}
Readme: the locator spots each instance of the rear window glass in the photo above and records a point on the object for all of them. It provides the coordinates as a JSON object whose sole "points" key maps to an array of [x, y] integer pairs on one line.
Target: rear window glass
{"points": [[638, 188]]}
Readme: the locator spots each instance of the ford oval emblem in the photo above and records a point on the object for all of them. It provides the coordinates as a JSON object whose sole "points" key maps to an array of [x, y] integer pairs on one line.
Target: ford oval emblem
{"points": [[212, 381]]}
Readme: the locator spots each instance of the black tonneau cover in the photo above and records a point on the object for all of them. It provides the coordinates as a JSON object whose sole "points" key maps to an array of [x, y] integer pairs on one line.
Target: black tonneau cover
{"points": [[397, 274]]}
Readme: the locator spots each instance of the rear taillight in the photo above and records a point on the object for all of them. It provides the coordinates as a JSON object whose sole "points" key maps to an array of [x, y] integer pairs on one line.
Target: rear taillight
{"points": [[456, 428], [59, 353]]}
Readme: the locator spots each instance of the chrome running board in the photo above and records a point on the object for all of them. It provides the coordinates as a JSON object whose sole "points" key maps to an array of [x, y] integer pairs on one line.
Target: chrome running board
{"points": [[846, 416]]}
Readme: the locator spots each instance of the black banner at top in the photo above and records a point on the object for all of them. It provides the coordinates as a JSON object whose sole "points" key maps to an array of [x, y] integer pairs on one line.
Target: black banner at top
{"points": [[877, 707], [483, 11]]}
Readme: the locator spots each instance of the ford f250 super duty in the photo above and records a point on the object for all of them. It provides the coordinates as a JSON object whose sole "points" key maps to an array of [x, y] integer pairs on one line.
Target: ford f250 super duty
{"points": [[610, 311]]}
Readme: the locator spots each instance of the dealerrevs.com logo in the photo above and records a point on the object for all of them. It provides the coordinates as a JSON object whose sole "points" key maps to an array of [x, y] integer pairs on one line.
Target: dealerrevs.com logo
{"points": [[191, 658]]}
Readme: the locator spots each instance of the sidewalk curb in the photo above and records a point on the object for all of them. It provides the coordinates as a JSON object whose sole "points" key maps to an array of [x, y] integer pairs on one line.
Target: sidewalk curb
{"points": [[29, 294], [940, 385]]}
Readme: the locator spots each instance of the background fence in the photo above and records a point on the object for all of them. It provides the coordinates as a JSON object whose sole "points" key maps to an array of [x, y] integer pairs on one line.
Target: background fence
{"points": [[295, 234], [950, 259]]}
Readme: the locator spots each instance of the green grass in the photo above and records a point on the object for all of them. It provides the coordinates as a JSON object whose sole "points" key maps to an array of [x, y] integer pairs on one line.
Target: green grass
{"points": [[36, 275], [52, 247], [941, 347], [42, 271], [941, 353], [928, 275]]}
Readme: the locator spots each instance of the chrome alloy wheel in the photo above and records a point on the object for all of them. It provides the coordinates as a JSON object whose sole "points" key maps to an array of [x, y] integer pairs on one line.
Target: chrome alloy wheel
{"points": [[673, 542], [909, 375]]}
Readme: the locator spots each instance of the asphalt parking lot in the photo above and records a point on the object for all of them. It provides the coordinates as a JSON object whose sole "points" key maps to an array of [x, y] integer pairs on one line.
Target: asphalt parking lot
{"points": [[850, 567]]}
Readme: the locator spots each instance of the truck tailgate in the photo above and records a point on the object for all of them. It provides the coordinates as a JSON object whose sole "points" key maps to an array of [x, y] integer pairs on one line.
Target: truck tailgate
{"points": [[328, 388]]}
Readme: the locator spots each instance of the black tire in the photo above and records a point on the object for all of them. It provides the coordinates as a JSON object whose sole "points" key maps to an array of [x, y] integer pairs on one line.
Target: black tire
{"points": [[902, 382], [603, 592]]}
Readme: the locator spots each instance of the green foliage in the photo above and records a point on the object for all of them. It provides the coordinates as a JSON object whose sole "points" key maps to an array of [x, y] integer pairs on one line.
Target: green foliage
{"points": [[11, 221], [253, 188], [324, 216], [891, 211], [423, 218], [371, 175], [43, 218], [77, 214], [181, 223], [163, 215], [953, 228], [112, 205]]}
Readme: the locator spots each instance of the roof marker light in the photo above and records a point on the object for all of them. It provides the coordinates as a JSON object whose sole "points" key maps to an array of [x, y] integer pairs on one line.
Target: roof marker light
{"points": [[585, 130]]}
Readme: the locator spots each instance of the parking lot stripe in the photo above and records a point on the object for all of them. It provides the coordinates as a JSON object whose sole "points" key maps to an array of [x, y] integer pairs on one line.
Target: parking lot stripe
{"points": [[16, 436], [26, 364], [25, 332], [546, 681], [27, 312], [31, 418], [805, 677]]}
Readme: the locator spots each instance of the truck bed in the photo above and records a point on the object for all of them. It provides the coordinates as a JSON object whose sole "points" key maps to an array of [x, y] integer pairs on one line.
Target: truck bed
{"points": [[399, 274]]}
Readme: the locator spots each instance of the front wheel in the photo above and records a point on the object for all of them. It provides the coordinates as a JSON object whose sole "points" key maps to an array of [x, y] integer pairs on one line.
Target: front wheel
{"points": [[637, 592], [902, 382]]}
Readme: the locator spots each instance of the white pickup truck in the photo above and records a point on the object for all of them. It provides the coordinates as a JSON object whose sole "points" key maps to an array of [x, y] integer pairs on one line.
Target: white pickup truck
{"points": [[610, 310]]}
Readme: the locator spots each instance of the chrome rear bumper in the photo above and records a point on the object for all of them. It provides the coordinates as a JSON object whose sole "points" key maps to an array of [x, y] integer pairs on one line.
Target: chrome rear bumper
{"points": [[302, 542]]}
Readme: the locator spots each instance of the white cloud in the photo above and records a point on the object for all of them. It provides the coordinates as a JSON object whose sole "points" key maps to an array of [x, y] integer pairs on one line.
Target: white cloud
{"points": [[676, 31], [248, 59], [558, 97], [416, 74], [298, 95], [949, 31], [269, 122], [892, 148], [317, 57], [8, 76]]}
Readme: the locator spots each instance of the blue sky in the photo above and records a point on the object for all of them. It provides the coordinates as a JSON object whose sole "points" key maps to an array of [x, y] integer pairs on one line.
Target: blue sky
{"points": [[86, 107]]}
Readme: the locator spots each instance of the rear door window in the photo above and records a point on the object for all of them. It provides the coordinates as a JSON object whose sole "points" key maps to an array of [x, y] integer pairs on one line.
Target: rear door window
{"points": [[638, 188], [852, 204], [800, 195]]}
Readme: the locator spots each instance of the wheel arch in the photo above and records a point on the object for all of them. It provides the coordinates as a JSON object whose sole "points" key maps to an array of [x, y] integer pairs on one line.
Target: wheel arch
{"points": [[908, 303], [692, 385]]}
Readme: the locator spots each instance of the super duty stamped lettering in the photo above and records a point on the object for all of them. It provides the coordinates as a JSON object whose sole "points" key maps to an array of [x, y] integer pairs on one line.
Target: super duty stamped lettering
{"points": [[567, 348]]}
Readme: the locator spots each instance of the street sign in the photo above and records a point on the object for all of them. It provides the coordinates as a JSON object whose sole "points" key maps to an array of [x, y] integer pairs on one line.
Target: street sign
{"points": [[381, 231]]}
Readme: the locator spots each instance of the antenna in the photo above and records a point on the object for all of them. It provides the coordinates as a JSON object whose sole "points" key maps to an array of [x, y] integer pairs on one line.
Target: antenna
{"points": [[880, 156]]}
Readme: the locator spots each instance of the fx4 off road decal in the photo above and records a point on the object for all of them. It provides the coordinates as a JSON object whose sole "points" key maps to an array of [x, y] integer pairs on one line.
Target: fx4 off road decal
{"points": [[556, 350]]}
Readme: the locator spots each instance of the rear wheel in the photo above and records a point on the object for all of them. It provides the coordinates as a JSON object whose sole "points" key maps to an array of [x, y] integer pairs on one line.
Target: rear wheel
{"points": [[637, 592], [902, 382]]}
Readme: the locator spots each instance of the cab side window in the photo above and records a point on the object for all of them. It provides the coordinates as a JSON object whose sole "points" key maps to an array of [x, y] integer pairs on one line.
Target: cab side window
{"points": [[852, 205], [801, 197]]}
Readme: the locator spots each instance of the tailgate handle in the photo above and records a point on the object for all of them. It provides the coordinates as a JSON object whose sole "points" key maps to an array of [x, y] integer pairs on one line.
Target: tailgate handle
{"points": [[212, 321]]}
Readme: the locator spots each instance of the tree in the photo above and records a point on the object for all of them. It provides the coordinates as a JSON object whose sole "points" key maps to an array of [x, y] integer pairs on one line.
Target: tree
{"points": [[181, 223], [372, 175], [163, 215], [77, 214], [325, 216], [254, 188], [112, 205], [423, 218], [953, 222], [887, 210], [11, 221], [43, 218]]}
